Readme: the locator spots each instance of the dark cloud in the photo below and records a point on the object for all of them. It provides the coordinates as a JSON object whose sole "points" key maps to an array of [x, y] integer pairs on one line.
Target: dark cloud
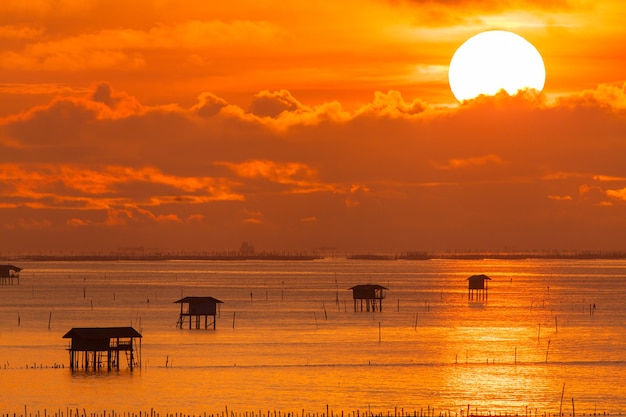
{"points": [[119, 102], [271, 104], [209, 105]]}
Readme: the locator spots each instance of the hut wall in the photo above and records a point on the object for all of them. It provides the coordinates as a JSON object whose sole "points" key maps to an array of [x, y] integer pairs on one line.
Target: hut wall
{"points": [[359, 293], [90, 344], [202, 309], [477, 283]]}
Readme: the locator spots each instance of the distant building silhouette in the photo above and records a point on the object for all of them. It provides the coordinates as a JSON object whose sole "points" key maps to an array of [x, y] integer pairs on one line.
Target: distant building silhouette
{"points": [[477, 285], [197, 307], [371, 294]]}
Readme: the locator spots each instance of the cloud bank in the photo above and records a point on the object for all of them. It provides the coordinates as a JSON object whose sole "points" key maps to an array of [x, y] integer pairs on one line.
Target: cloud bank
{"points": [[103, 170]]}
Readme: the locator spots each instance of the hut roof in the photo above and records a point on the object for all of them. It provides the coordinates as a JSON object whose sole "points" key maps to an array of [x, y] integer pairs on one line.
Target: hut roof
{"points": [[9, 267], [101, 332], [368, 286], [199, 300], [13, 267], [478, 277]]}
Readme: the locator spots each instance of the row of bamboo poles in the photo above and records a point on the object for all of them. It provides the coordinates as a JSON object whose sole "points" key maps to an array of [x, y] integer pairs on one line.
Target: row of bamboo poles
{"points": [[429, 412]]}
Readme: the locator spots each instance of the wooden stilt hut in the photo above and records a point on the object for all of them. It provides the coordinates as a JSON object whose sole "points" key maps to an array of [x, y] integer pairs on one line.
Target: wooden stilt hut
{"points": [[371, 294], [197, 307], [96, 347], [9, 274], [477, 285]]}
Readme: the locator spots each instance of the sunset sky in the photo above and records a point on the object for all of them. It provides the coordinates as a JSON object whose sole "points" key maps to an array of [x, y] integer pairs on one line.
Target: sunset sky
{"points": [[297, 125]]}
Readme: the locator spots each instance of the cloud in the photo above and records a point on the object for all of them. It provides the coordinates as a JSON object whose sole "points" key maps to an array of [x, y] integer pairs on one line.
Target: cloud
{"points": [[78, 222], [209, 105], [280, 110], [277, 172], [593, 193], [252, 217], [470, 17], [81, 188], [20, 32], [393, 105], [472, 161], [300, 177], [28, 224], [40, 89], [121, 103], [356, 193], [604, 96], [473, 8], [267, 104], [560, 197], [605, 178], [518, 168], [617, 194], [128, 214], [129, 48]]}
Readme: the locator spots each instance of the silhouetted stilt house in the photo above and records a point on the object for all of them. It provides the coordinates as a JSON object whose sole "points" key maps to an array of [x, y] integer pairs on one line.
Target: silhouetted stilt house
{"points": [[9, 274], [197, 307], [371, 294], [96, 347], [477, 285]]}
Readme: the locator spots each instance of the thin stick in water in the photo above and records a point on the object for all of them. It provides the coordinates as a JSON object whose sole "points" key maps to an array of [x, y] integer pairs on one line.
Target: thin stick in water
{"points": [[538, 332]]}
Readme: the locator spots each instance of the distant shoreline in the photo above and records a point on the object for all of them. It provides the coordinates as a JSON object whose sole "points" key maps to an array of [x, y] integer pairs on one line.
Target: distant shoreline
{"points": [[164, 257], [287, 256]]}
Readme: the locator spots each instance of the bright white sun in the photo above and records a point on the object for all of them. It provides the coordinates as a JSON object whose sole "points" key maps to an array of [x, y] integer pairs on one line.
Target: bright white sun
{"points": [[495, 60]]}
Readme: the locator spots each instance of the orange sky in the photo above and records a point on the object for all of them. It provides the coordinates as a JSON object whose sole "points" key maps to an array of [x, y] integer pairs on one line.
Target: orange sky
{"points": [[296, 125]]}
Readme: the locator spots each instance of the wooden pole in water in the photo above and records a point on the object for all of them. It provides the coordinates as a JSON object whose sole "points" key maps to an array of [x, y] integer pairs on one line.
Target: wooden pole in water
{"points": [[538, 332], [561, 407], [337, 293]]}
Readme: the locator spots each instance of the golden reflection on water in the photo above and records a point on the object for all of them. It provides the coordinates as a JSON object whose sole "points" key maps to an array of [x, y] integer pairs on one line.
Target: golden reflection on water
{"points": [[297, 343]]}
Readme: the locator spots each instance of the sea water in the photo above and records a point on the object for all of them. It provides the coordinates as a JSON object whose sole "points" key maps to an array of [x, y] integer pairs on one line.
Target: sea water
{"points": [[550, 337]]}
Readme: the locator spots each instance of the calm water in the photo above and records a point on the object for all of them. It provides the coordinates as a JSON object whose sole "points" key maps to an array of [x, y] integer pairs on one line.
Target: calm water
{"points": [[287, 337]]}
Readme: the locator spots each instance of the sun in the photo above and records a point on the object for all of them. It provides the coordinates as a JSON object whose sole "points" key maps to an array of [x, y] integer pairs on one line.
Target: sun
{"points": [[494, 60]]}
